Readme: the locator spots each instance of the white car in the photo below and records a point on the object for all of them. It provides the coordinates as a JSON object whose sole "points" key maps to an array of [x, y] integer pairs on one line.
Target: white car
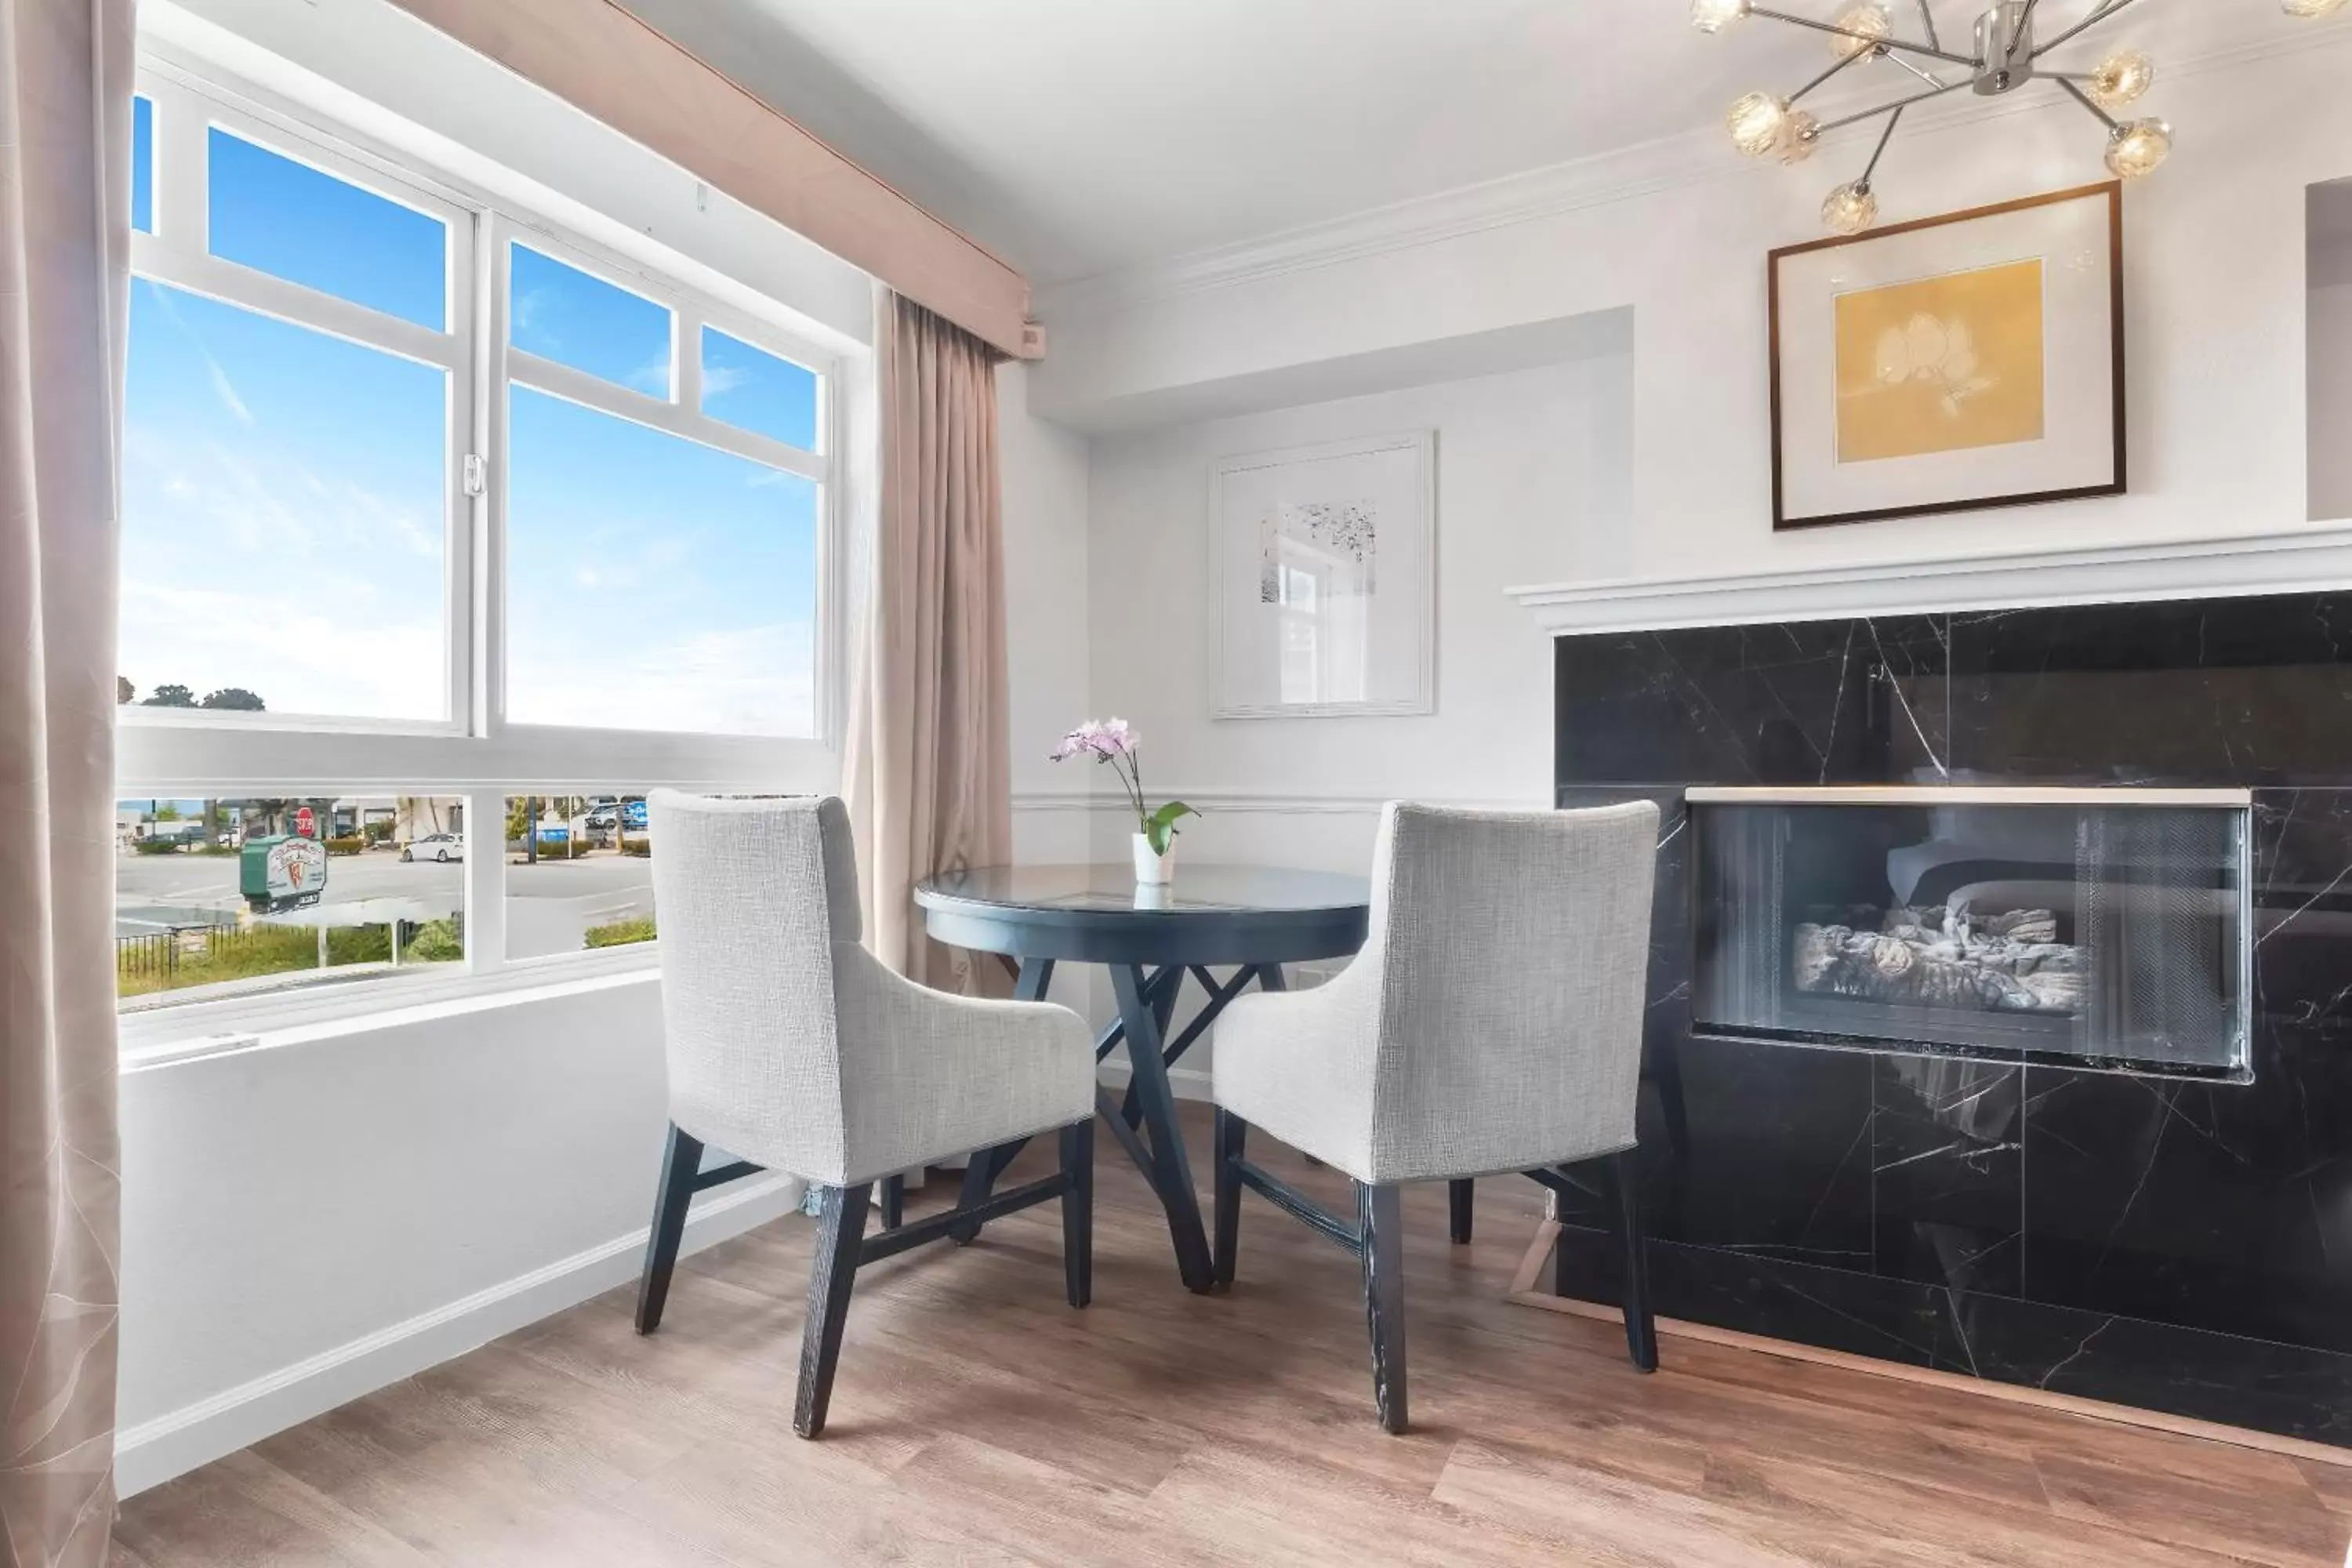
{"points": [[441, 846]]}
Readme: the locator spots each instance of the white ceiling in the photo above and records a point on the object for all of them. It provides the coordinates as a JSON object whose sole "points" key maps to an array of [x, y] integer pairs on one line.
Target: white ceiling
{"points": [[1077, 137]]}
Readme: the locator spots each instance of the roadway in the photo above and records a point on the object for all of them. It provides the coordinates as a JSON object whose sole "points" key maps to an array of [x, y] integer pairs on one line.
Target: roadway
{"points": [[154, 892]]}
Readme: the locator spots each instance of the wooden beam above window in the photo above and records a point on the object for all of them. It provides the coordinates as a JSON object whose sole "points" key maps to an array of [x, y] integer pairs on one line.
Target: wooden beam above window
{"points": [[608, 64]]}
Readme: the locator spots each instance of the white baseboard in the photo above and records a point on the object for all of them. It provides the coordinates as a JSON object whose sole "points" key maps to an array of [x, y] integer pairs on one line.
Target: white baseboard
{"points": [[155, 1451], [1188, 1083]]}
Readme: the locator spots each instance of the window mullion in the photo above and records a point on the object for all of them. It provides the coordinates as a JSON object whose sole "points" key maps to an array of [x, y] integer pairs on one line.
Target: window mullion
{"points": [[182, 218], [686, 324], [486, 888]]}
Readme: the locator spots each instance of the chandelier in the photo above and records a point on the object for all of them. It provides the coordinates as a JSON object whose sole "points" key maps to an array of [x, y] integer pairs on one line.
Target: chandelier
{"points": [[2004, 55]]}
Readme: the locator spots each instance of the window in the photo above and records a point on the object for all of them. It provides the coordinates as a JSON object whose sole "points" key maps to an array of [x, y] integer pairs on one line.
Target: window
{"points": [[578, 873], [223, 895], [434, 506]]}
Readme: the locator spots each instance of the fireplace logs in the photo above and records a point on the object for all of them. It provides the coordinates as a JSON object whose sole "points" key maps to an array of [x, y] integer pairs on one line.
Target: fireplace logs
{"points": [[2009, 962]]}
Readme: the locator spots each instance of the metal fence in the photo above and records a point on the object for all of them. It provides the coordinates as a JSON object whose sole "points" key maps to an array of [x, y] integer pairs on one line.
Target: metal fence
{"points": [[159, 952]]}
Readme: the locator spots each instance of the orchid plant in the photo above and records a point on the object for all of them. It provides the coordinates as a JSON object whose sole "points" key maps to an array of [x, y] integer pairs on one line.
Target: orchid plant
{"points": [[1112, 741]]}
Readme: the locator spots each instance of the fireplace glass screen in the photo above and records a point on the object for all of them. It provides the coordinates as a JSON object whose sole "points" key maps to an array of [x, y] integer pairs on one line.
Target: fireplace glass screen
{"points": [[2093, 934]]}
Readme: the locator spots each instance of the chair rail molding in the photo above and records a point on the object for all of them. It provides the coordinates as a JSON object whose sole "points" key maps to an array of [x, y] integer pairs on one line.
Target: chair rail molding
{"points": [[1265, 802], [2305, 560]]}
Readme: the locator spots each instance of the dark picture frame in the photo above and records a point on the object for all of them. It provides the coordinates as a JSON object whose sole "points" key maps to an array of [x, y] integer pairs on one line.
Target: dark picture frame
{"points": [[2113, 191]]}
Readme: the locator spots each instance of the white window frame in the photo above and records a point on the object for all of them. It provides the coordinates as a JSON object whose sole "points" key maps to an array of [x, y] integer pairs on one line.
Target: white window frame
{"points": [[472, 754]]}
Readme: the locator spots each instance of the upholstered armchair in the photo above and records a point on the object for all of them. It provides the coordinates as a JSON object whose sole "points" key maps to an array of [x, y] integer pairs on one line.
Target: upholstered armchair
{"points": [[1491, 1023], [792, 1047]]}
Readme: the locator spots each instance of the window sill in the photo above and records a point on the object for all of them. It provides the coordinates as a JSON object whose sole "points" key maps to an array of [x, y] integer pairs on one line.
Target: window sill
{"points": [[229, 1026]]}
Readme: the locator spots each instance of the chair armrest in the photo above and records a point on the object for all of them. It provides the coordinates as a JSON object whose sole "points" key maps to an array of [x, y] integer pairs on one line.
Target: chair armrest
{"points": [[926, 1075]]}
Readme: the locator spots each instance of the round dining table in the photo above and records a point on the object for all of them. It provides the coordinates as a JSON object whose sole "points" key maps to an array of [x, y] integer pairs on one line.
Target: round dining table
{"points": [[1248, 921]]}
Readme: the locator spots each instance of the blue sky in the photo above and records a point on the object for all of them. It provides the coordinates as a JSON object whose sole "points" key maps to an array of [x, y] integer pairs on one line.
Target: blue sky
{"points": [[283, 490]]}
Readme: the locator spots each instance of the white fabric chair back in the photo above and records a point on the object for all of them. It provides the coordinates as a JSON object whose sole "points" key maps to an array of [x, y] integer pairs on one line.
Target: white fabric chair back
{"points": [[751, 897], [1512, 953]]}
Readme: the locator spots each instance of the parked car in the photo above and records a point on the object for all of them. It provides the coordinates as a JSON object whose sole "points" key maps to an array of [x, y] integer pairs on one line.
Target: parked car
{"points": [[441, 847], [605, 818]]}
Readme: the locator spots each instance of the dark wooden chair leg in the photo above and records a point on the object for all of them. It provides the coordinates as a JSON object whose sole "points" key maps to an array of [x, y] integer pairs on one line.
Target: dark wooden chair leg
{"points": [[1460, 1196], [1383, 1246], [894, 1202], [680, 1162], [1079, 1211], [841, 1231], [1641, 1328], [1232, 1137]]}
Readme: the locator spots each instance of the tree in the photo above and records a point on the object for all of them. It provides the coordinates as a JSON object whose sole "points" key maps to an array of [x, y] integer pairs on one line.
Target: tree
{"points": [[124, 690], [171, 697], [234, 697]]}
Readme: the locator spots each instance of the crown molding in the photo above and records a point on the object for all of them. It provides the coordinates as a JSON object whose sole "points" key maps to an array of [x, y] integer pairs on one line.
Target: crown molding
{"points": [[1688, 160], [2310, 560]]}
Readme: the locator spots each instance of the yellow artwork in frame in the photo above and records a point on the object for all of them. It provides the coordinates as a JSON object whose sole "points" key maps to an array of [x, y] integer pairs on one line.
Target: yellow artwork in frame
{"points": [[1951, 363], [1940, 365]]}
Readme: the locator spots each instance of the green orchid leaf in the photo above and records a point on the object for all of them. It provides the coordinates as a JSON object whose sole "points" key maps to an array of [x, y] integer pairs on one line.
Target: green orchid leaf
{"points": [[1160, 827]]}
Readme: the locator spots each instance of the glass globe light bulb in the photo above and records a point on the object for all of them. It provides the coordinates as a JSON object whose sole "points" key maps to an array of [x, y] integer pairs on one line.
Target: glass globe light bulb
{"points": [[2311, 7], [1862, 29], [1756, 123], [2121, 77], [1850, 208], [1799, 133], [1715, 16], [2137, 146]]}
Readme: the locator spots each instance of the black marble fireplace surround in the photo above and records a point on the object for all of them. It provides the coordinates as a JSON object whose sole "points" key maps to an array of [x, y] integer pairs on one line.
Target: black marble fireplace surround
{"points": [[2178, 1246]]}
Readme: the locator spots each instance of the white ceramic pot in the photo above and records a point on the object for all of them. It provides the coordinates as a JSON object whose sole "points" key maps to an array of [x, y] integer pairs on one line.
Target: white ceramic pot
{"points": [[1151, 868]]}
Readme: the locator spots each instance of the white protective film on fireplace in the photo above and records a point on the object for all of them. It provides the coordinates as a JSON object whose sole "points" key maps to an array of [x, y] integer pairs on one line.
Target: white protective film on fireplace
{"points": [[2108, 929]]}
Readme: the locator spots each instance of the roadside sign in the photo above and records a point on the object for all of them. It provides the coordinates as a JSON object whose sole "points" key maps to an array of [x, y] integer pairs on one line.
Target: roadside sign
{"points": [[306, 823], [280, 874], [632, 814]]}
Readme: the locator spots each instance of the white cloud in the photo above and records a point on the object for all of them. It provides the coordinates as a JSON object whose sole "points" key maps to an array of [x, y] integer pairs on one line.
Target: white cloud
{"points": [[302, 652], [751, 681], [225, 390], [720, 379]]}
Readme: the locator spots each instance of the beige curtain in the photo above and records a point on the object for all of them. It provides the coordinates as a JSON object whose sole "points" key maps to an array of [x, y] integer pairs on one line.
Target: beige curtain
{"points": [[928, 769], [64, 204]]}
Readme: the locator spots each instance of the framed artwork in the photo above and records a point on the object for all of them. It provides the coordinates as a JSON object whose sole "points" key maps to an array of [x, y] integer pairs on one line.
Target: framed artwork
{"points": [[1973, 360], [1325, 573]]}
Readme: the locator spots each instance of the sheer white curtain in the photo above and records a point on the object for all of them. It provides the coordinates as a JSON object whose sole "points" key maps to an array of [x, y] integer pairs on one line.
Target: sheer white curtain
{"points": [[65, 206]]}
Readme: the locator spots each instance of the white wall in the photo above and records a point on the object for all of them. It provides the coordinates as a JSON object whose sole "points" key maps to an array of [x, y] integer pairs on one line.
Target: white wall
{"points": [[1656, 465], [2331, 401], [1526, 461], [2215, 305], [310, 1219]]}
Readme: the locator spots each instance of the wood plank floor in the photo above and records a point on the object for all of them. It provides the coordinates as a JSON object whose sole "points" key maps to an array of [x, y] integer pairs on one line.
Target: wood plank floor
{"points": [[978, 1420]]}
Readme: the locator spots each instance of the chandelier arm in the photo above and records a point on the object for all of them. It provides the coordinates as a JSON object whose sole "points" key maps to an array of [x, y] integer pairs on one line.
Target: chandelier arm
{"points": [[2085, 100], [2025, 19], [1799, 95], [2107, 10], [1836, 31], [1927, 20], [1880, 151], [1928, 76], [1895, 108]]}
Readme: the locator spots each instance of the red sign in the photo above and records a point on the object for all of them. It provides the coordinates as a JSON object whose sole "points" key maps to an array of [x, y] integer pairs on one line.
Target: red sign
{"points": [[306, 823]]}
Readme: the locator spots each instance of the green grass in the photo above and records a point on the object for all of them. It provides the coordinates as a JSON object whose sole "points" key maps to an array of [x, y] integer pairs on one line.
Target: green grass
{"points": [[264, 950], [621, 933]]}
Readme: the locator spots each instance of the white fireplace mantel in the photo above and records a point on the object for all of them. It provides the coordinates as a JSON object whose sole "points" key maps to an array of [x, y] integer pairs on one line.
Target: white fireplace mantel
{"points": [[2308, 560]]}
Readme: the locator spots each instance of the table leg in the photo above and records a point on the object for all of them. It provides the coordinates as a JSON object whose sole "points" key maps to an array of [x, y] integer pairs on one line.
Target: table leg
{"points": [[980, 1173], [1170, 1172]]}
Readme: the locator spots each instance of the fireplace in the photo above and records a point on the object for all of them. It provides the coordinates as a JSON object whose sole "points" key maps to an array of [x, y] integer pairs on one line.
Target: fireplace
{"points": [[2101, 928]]}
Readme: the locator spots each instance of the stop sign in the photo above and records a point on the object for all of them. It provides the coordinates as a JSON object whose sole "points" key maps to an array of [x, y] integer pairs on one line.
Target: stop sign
{"points": [[306, 823]]}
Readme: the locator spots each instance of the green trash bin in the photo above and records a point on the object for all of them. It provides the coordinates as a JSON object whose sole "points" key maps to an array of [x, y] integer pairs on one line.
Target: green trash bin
{"points": [[283, 873]]}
